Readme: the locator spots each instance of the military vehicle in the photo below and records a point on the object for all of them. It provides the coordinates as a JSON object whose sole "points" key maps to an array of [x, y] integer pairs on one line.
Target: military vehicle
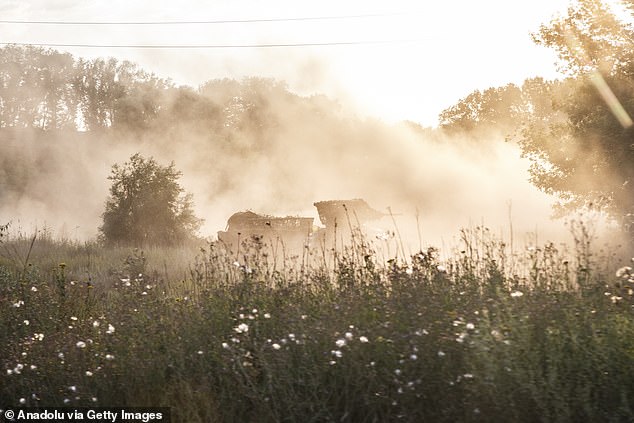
{"points": [[252, 227], [346, 213], [339, 217]]}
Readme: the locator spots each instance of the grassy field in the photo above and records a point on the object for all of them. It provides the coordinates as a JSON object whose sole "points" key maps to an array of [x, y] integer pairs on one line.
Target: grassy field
{"points": [[542, 333]]}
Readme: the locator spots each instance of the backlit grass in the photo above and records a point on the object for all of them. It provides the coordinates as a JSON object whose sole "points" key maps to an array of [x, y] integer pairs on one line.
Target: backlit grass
{"points": [[488, 334]]}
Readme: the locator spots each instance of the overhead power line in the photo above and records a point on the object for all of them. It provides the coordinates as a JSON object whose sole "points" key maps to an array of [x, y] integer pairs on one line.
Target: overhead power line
{"points": [[201, 22], [210, 46]]}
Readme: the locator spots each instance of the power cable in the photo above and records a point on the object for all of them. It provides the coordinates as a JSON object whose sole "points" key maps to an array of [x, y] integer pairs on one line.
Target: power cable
{"points": [[209, 22], [210, 46]]}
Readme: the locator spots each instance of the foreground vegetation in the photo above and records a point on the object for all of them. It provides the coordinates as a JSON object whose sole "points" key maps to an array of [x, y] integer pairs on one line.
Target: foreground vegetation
{"points": [[489, 334]]}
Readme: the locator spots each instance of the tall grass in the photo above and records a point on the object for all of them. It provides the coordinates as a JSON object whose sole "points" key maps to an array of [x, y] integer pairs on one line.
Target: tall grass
{"points": [[487, 334]]}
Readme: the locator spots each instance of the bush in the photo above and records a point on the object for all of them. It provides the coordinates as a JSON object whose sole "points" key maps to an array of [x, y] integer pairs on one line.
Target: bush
{"points": [[147, 205]]}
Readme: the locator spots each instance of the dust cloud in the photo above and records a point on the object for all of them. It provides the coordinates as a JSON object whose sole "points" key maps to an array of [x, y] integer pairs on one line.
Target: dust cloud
{"points": [[297, 151], [448, 183]]}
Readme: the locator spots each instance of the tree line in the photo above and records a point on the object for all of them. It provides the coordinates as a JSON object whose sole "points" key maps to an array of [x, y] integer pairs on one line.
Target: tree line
{"points": [[49, 90]]}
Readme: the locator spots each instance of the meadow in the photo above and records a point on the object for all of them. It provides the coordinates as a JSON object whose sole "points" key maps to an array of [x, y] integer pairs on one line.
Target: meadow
{"points": [[486, 331]]}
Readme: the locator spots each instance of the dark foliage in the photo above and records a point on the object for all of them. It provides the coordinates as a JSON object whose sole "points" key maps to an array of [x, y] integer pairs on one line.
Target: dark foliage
{"points": [[147, 205]]}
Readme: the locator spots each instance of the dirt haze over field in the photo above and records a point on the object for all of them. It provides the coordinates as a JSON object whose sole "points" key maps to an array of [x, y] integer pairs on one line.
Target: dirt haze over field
{"points": [[62, 184]]}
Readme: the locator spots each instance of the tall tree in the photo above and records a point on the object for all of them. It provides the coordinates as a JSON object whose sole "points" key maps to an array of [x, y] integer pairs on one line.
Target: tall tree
{"points": [[582, 143], [99, 89], [36, 88]]}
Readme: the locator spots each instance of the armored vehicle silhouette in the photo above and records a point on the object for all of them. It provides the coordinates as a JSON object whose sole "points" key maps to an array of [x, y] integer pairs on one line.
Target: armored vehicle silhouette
{"points": [[340, 212], [339, 218], [245, 226]]}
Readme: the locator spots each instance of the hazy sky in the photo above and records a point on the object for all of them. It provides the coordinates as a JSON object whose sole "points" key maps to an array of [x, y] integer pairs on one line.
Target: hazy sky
{"points": [[446, 49]]}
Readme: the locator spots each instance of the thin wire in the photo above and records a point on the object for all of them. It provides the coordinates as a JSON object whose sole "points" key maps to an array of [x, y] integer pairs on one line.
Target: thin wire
{"points": [[212, 22], [210, 46]]}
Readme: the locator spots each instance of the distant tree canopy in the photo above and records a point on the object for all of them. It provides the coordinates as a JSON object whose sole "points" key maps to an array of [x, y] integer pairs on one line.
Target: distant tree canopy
{"points": [[498, 108], [147, 205], [45, 89], [48, 90]]}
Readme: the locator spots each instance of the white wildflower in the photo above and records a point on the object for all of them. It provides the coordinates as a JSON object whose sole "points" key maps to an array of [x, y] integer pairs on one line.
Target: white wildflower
{"points": [[241, 328], [624, 272], [363, 339], [517, 294], [80, 344], [340, 342]]}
